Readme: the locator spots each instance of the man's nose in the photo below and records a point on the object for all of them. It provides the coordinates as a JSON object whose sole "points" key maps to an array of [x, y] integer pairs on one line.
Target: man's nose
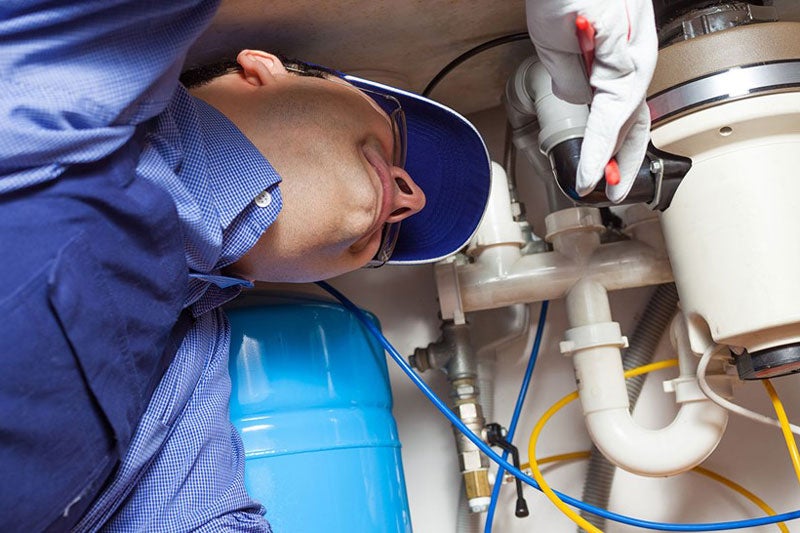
{"points": [[407, 199]]}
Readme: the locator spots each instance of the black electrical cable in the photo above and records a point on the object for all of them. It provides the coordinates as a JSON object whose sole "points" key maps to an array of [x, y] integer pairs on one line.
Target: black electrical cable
{"points": [[510, 38]]}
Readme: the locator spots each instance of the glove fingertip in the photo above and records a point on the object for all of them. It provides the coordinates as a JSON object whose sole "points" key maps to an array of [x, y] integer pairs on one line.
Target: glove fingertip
{"points": [[628, 169], [617, 193], [586, 182]]}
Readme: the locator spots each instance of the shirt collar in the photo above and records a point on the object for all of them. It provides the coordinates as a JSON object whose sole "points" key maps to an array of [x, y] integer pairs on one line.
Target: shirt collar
{"points": [[236, 176]]}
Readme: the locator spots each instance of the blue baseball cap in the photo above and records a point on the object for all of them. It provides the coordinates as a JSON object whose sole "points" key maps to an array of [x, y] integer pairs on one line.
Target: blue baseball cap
{"points": [[447, 158]]}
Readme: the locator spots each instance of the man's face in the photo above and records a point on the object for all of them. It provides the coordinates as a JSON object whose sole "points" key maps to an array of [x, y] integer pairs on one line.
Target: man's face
{"points": [[333, 147]]}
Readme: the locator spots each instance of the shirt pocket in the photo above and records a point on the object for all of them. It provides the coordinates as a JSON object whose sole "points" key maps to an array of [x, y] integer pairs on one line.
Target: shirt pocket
{"points": [[66, 397], [80, 296]]}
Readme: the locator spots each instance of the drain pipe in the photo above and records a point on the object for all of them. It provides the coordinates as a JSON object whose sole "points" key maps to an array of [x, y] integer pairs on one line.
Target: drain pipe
{"points": [[504, 276], [594, 343], [582, 269], [645, 339]]}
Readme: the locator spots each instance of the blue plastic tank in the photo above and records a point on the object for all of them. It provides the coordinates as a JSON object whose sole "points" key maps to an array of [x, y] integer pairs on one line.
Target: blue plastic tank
{"points": [[312, 401]]}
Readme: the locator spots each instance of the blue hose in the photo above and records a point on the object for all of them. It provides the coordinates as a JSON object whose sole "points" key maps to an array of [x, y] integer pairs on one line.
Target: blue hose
{"points": [[661, 526], [512, 427]]}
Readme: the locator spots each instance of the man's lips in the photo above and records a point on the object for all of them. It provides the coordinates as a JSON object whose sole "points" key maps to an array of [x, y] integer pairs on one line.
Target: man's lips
{"points": [[378, 161]]}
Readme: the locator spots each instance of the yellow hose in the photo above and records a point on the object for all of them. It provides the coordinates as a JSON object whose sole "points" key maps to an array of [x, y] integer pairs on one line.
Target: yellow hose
{"points": [[758, 502], [791, 444], [537, 474]]}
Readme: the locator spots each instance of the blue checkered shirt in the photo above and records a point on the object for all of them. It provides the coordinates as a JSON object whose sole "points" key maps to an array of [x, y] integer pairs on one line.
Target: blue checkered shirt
{"points": [[85, 76]]}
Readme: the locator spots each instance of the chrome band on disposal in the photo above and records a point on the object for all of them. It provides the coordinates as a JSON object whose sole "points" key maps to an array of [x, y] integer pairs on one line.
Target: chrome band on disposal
{"points": [[731, 84]]}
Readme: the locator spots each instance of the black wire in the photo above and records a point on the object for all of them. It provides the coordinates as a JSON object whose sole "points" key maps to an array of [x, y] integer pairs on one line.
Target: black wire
{"points": [[510, 38]]}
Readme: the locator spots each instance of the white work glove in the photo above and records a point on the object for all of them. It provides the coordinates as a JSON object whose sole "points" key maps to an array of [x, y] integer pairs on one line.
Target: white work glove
{"points": [[625, 53]]}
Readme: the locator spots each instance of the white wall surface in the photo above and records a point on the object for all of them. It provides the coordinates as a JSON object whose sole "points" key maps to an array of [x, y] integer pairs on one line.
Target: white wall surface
{"points": [[404, 299]]}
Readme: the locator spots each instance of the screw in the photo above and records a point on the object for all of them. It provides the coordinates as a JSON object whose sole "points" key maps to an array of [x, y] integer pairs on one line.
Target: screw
{"points": [[655, 166]]}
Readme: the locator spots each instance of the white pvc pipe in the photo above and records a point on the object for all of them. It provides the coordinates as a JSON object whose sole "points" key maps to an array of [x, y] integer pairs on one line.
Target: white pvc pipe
{"points": [[682, 445], [679, 447], [559, 120], [501, 276], [504, 277], [497, 226], [583, 270]]}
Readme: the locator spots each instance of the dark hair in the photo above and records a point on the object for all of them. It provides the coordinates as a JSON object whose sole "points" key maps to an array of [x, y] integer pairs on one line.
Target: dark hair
{"points": [[198, 76]]}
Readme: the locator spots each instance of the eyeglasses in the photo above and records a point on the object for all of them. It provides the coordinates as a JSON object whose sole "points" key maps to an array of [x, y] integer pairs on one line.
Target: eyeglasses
{"points": [[391, 230]]}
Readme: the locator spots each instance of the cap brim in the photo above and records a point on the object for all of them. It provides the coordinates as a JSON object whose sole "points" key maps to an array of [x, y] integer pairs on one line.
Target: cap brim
{"points": [[447, 158]]}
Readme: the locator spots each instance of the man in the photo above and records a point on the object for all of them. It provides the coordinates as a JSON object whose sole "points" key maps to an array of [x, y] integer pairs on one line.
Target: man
{"points": [[343, 187], [131, 210]]}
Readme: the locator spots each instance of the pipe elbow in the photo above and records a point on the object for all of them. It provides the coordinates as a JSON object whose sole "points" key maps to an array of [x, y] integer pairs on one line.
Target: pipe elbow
{"points": [[685, 443]]}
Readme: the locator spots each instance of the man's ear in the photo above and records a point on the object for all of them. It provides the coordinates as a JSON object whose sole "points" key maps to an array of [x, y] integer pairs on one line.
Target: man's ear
{"points": [[259, 67]]}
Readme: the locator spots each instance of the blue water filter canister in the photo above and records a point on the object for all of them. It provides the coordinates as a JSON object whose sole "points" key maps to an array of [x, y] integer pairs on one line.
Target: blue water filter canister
{"points": [[312, 401]]}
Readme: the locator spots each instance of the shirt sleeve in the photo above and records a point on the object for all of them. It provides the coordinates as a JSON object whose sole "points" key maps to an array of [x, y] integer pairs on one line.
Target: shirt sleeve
{"points": [[80, 76]]}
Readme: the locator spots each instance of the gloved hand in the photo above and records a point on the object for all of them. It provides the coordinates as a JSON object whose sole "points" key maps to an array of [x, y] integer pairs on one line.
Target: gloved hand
{"points": [[624, 60]]}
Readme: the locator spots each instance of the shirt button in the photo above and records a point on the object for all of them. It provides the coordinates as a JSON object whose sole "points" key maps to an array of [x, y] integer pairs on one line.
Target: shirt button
{"points": [[263, 199]]}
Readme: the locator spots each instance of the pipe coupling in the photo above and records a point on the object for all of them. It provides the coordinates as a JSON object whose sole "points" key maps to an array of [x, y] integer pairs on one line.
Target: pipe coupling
{"points": [[479, 493], [602, 334]]}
